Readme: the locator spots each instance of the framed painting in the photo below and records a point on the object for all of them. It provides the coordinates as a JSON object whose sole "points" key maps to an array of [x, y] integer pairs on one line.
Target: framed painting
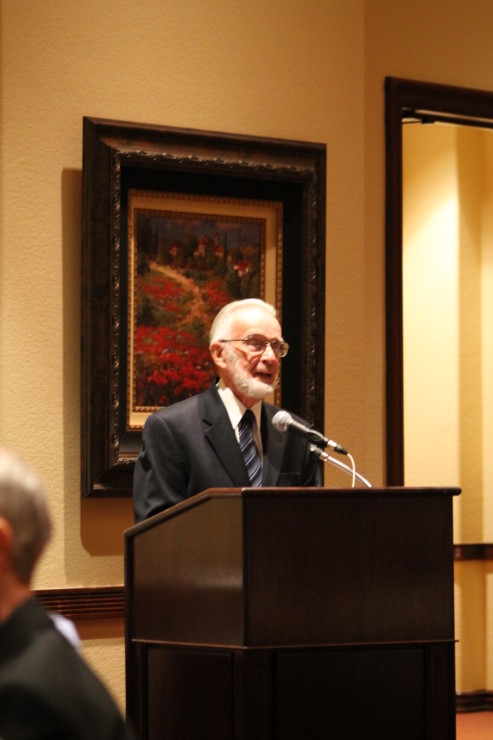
{"points": [[177, 223]]}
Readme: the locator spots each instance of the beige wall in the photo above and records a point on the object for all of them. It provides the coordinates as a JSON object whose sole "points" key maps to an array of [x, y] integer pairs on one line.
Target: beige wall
{"points": [[310, 71]]}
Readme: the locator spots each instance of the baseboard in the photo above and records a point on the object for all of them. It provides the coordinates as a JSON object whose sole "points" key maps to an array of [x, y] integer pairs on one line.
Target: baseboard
{"points": [[474, 701], [84, 603]]}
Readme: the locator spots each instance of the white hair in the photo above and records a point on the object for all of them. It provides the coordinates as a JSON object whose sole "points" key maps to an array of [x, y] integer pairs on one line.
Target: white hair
{"points": [[222, 323], [24, 506]]}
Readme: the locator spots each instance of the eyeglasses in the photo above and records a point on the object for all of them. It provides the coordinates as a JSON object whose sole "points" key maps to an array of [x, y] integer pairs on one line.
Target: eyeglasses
{"points": [[257, 345]]}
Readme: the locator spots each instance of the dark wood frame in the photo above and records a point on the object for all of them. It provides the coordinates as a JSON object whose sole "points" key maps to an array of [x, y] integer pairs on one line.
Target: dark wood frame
{"points": [[406, 99], [118, 156]]}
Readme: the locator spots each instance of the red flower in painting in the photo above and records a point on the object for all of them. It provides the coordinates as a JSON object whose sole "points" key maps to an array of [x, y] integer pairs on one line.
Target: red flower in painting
{"points": [[169, 366], [174, 310], [216, 296]]}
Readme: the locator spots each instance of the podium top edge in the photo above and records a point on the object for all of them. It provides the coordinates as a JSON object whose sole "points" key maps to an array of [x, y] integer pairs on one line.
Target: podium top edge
{"points": [[247, 493]]}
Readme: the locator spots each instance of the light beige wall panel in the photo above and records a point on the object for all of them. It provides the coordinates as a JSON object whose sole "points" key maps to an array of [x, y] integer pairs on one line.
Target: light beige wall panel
{"points": [[471, 626], [487, 344], [488, 610], [487, 360], [470, 159], [103, 649], [431, 306]]}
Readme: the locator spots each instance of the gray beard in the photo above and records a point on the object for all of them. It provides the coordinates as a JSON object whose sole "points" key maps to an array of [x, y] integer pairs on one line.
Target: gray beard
{"points": [[252, 387], [247, 386]]}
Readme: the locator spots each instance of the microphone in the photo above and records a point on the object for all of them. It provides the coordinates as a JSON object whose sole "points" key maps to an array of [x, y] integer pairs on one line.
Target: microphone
{"points": [[284, 422]]}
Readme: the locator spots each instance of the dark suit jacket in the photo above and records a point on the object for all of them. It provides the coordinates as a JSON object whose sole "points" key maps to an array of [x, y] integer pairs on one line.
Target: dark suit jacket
{"points": [[47, 692], [191, 446]]}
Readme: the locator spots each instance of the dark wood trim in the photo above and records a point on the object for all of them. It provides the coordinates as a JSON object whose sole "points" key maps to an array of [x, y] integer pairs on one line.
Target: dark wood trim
{"points": [[474, 551], [84, 603], [474, 701], [393, 284]]}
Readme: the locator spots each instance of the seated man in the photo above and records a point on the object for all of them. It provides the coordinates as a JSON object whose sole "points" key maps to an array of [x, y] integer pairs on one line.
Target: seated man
{"points": [[46, 689], [198, 443]]}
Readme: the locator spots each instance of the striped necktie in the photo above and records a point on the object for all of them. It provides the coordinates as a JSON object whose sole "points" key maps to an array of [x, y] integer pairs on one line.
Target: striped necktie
{"points": [[249, 450]]}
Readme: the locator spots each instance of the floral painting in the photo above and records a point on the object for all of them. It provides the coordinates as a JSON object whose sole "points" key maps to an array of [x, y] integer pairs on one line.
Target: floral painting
{"points": [[186, 264]]}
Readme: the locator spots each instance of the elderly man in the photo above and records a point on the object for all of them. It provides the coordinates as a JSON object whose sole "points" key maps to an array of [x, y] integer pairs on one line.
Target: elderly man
{"points": [[207, 441], [46, 689]]}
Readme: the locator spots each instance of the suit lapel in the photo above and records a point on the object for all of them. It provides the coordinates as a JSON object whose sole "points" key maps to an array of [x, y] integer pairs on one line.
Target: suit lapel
{"points": [[221, 437]]}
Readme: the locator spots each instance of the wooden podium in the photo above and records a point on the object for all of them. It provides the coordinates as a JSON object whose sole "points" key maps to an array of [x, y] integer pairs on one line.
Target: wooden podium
{"points": [[293, 614]]}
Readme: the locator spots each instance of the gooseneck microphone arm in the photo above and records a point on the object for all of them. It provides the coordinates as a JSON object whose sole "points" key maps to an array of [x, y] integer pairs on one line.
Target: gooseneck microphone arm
{"points": [[322, 455], [284, 422]]}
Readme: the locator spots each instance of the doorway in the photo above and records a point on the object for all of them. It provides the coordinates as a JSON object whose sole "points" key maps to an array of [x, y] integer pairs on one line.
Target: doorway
{"points": [[439, 323], [436, 132]]}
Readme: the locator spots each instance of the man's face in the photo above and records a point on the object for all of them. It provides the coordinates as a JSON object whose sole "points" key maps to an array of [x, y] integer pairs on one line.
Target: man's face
{"points": [[250, 374]]}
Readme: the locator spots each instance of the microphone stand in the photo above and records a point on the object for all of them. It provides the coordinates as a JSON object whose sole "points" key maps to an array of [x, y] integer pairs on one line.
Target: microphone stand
{"points": [[322, 455]]}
